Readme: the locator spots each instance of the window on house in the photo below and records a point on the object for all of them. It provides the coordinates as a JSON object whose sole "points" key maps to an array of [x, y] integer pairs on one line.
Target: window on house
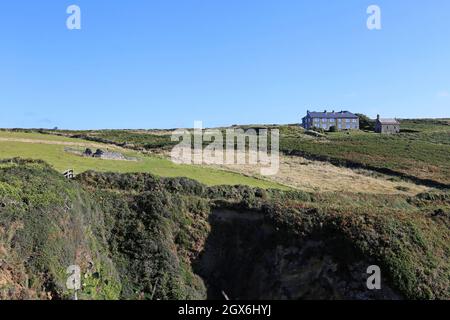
{"points": [[347, 120]]}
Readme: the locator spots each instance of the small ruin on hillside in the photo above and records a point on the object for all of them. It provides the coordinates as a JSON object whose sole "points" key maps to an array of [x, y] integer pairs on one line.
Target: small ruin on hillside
{"points": [[100, 154]]}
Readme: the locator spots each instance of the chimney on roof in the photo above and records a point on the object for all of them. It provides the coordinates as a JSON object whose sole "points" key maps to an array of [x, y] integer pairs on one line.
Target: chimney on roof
{"points": [[325, 111], [333, 111], [378, 117]]}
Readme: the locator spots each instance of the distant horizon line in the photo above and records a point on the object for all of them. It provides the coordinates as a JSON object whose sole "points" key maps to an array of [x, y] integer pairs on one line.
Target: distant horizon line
{"points": [[56, 128]]}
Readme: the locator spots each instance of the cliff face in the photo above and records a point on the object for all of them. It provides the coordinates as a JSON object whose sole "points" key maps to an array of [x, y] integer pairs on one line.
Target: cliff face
{"points": [[136, 236], [48, 223], [244, 258]]}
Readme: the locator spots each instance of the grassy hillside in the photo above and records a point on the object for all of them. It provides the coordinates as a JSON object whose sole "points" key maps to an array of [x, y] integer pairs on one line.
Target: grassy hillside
{"points": [[50, 148], [139, 236], [421, 151]]}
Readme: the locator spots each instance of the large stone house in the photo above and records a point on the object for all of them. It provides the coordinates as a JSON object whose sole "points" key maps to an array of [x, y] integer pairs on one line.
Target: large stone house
{"points": [[388, 126], [342, 120]]}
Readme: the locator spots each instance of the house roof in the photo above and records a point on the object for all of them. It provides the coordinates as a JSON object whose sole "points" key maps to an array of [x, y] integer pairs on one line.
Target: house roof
{"points": [[388, 121], [332, 115]]}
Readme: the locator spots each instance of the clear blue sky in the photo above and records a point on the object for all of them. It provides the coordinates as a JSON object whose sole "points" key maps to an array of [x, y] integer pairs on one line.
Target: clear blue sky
{"points": [[166, 63]]}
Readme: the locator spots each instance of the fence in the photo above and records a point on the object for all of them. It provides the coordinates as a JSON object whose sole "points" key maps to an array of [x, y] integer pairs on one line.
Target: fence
{"points": [[69, 174]]}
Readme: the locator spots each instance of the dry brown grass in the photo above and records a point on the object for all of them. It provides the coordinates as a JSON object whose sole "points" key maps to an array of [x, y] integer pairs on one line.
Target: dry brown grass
{"points": [[316, 176], [84, 144]]}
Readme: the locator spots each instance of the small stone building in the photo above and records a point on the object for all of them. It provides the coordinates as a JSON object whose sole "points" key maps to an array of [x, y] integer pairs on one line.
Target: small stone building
{"points": [[87, 152], [387, 126], [98, 154]]}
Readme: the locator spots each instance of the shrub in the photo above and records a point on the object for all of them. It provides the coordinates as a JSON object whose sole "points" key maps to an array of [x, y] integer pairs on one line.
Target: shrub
{"points": [[365, 123]]}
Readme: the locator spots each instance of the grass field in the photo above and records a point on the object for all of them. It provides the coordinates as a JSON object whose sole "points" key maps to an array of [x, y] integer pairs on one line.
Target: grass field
{"points": [[421, 150], [51, 149], [319, 176]]}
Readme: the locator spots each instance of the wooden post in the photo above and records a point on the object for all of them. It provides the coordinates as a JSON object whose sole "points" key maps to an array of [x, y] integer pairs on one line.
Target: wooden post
{"points": [[69, 174]]}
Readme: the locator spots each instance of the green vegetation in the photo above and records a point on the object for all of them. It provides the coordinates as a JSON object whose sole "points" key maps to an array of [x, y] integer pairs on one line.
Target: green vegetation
{"points": [[421, 152], [365, 123], [47, 224], [55, 155], [139, 139], [132, 139], [139, 236]]}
